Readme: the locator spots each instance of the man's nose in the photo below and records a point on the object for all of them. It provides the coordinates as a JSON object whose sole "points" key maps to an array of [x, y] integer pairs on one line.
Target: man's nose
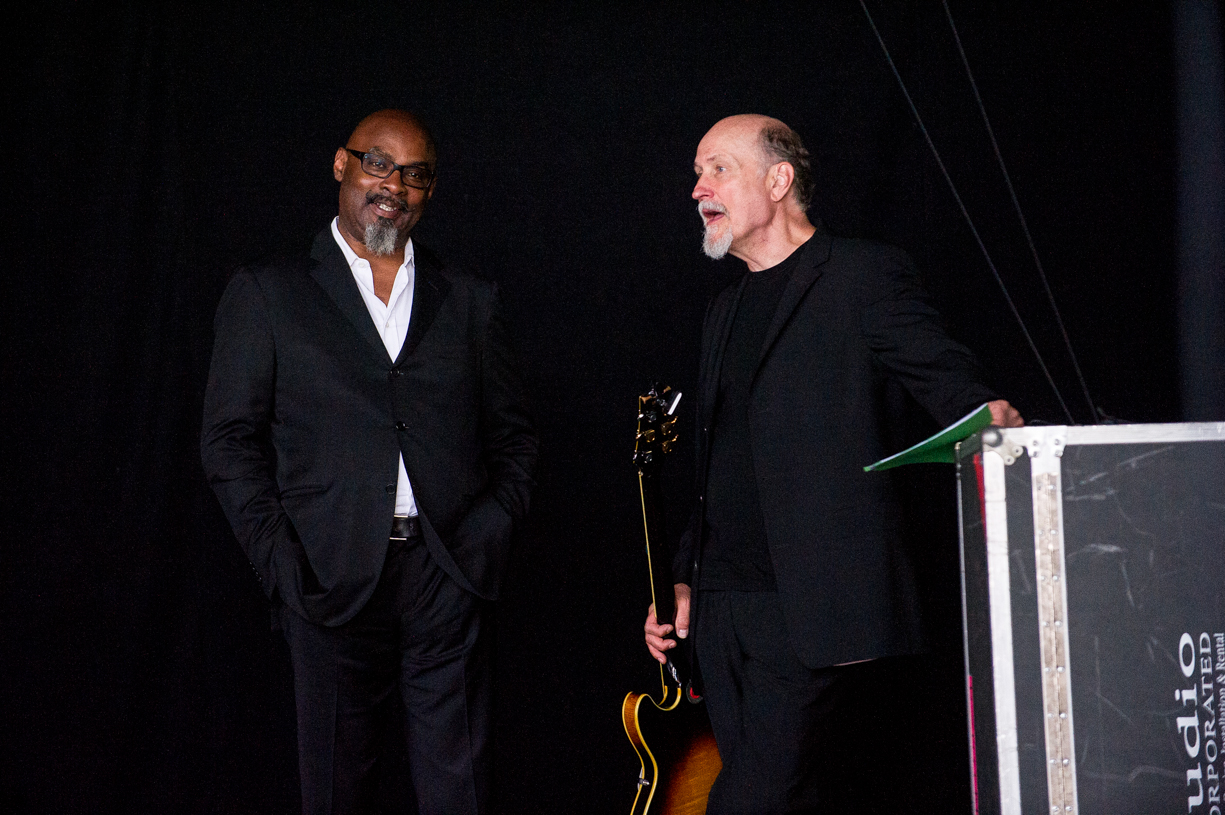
{"points": [[393, 183]]}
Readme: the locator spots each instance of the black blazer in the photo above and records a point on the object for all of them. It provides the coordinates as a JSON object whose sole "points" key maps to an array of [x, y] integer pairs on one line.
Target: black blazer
{"points": [[305, 416], [851, 319]]}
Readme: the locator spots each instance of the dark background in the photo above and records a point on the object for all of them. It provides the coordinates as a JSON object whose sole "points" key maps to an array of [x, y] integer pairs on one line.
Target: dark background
{"points": [[157, 148]]}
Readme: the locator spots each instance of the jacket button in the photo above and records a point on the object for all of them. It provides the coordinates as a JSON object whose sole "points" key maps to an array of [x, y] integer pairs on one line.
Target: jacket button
{"points": [[390, 489], [401, 426]]}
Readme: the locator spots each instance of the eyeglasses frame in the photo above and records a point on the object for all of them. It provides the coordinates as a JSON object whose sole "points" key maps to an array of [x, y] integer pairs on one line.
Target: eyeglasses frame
{"points": [[361, 157]]}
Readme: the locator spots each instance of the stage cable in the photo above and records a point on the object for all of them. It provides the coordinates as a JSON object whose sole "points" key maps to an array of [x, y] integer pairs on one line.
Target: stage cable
{"points": [[1016, 204], [966, 214]]}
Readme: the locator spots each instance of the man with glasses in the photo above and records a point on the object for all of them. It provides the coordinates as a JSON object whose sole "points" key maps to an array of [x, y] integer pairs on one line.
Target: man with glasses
{"points": [[366, 434]]}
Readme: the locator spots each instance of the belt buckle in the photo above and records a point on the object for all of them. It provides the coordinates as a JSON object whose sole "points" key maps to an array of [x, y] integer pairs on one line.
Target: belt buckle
{"points": [[403, 524]]}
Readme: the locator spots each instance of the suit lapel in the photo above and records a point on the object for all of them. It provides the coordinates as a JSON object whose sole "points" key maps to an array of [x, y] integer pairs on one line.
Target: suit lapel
{"points": [[336, 278], [429, 290], [816, 252]]}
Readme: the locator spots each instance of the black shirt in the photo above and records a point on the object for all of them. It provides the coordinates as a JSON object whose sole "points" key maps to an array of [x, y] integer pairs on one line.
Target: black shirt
{"points": [[735, 556]]}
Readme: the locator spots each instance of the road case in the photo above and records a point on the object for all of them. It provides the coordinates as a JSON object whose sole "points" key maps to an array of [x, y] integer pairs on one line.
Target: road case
{"points": [[1093, 595]]}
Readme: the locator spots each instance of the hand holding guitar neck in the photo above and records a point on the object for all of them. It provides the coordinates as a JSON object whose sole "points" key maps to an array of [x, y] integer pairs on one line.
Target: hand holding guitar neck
{"points": [[662, 636]]}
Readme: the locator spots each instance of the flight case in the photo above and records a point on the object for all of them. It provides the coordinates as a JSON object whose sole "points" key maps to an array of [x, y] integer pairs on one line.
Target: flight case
{"points": [[1093, 595]]}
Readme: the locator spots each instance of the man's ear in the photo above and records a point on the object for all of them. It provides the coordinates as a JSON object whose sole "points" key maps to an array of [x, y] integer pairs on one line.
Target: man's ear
{"points": [[339, 163], [782, 176]]}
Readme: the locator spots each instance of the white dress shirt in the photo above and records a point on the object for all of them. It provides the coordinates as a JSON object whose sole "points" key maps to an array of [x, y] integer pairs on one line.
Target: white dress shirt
{"points": [[391, 321]]}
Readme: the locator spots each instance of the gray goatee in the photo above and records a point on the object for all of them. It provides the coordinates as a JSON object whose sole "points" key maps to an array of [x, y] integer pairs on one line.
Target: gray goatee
{"points": [[716, 248], [381, 237]]}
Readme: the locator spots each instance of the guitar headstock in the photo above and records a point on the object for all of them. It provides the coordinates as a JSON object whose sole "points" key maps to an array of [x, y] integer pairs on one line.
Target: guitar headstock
{"points": [[656, 426]]}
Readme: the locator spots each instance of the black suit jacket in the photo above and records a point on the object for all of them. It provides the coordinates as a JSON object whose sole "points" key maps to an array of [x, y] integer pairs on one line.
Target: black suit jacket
{"points": [[305, 417], [851, 321]]}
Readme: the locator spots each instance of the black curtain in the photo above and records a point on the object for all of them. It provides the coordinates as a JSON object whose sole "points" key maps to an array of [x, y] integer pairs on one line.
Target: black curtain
{"points": [[155, 147]]}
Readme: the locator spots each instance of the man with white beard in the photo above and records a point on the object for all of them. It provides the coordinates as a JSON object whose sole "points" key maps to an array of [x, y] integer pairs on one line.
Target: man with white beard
{"points": [[366, 434], [793, 590]]}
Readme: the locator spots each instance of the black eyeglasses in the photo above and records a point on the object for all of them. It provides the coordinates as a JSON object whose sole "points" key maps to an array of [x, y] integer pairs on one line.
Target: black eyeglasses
{"points": [[414, 175]]}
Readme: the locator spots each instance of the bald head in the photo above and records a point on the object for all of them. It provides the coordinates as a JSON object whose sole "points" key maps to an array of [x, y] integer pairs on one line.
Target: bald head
{"points": [[775, 142], [393, 119], [744, 125], [753, 189], [386, 175]]}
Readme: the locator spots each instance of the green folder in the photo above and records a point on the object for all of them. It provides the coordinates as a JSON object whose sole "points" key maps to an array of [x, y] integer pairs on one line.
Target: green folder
{"points": [[939, 448]]}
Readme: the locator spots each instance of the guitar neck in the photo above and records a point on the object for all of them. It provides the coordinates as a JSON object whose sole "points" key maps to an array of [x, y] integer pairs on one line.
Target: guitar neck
{"points": [[662, 593], [656, 434]]}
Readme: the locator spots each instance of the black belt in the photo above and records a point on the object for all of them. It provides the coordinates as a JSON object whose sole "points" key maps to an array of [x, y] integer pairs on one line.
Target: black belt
{"points": [[405, 527]]}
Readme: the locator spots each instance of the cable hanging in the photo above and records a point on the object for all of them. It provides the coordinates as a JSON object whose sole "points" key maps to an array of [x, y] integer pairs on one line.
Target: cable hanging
{"points": [[1016, 204], [966, 214]]}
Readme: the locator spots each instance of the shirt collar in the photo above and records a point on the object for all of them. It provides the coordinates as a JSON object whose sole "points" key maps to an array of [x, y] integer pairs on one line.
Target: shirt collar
{"points": [[351, 256]]}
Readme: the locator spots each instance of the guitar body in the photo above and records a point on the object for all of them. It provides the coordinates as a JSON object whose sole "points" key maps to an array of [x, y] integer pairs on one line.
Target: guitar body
{"points": [[677, 751], [675, 745]]}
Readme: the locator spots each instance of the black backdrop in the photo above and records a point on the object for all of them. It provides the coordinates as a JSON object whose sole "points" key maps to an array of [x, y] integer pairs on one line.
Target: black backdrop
{"points": [[156, 148]]}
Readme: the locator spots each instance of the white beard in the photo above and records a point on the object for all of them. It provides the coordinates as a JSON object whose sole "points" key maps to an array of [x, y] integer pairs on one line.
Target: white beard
{"points": [[381, 237], [716, 247]]}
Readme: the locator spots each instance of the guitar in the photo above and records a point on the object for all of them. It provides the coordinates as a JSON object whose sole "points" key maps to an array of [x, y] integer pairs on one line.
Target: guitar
{"points": [[681, 740]]}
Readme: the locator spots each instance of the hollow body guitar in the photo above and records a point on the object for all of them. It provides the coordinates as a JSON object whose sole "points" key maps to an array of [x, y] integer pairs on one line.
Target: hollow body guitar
{"points": [[675, 746]]}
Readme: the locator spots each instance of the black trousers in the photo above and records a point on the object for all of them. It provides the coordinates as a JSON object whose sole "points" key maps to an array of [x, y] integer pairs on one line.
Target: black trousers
{"points": [[792, 739], [420, 634]]}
